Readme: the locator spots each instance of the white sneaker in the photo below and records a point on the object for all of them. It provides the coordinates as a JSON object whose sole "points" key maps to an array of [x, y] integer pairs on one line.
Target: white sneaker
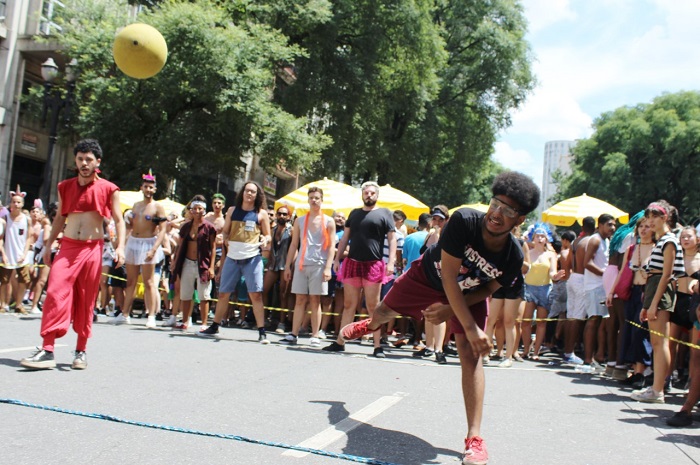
{"points": [[315, 342], [122, 320], [151, 322], [322, 334], [506, 363], [111, 313], [648, 395], [35, 311], [169, 322]]}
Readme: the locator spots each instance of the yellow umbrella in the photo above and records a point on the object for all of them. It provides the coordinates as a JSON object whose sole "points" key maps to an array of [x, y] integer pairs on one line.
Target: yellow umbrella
{"points": [[395, 199], [336, 196], [127, 199], [172, 206], [569, 211], [475, 206]]}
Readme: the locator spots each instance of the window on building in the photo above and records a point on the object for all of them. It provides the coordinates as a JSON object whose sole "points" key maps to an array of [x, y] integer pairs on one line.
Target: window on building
{"points": [[3, 3], [49, 12]]}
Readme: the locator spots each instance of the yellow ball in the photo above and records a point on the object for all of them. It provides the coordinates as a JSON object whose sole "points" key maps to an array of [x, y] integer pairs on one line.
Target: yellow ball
{"points": [[140, 51]]}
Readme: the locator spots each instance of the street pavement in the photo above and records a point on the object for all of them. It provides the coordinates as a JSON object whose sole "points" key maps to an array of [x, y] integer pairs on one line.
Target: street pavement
{"points": [[398, 410]]}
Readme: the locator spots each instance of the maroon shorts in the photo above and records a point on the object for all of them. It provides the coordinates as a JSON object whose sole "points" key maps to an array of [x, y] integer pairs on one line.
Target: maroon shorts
{"points": [[411, 294]]}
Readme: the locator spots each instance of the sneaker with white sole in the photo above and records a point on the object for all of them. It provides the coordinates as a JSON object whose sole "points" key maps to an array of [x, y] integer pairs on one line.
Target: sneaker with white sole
{"points": [[322, 334], [506, 363], [315, 342], [169, 322], [122, 320], [80, 360], [649, 396], [289, 339], [572, 359], [35, 311], [151, 322], [475, 452], [40, 360], [280, 328]]}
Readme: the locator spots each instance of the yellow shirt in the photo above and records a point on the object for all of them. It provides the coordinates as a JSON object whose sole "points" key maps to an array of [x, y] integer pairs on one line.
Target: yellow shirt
{"points": [[538, 274]]}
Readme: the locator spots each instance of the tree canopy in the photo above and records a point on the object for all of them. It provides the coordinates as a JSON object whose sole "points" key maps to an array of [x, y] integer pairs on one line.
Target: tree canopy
{"points": [[638, 154], [409, 92], [208, 106]]}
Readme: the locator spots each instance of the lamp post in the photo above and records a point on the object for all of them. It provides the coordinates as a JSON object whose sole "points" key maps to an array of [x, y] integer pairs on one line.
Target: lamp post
{"points": [[55, 101]]}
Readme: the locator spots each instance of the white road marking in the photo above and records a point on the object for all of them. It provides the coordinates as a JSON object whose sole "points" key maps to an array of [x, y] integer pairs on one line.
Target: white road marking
{"points": [[339, 430], [25, 349]]}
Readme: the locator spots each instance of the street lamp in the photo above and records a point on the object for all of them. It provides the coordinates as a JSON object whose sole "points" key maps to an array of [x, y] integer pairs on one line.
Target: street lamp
{"points": [[55, 101]]}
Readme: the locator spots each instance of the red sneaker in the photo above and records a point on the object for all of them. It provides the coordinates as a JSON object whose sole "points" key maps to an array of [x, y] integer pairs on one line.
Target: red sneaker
{"points": [[355, 330], [475, 452]]}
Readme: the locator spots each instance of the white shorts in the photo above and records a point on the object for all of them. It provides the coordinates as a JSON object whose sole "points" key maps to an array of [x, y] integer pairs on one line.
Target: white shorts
{"points": [[593, 299], [137, 248], [309, 281], [575, 301], [188, 279]]}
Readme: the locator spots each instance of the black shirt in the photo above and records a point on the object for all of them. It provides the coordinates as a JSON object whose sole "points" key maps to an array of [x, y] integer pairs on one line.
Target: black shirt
{"points": [[461, 237], [367, 232]]}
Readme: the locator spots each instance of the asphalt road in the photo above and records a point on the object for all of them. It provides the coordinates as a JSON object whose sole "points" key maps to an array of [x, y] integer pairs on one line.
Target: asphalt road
{"points": [[398, 410]]}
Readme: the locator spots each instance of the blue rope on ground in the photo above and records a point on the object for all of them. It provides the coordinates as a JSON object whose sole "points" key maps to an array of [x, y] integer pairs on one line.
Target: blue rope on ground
{"points": [[102, 416]]}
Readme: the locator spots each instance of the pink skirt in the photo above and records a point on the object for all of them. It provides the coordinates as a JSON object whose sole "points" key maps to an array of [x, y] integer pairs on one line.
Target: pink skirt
{"points": [[358, 274]]}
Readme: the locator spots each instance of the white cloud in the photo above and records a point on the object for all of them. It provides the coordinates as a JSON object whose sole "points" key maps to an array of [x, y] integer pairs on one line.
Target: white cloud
{"points": [[542, 13], [552, 114], [518, 160]]}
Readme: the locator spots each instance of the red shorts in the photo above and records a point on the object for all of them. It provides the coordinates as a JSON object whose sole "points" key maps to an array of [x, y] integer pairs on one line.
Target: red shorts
{"points": [[411, 294], [359, 274]]}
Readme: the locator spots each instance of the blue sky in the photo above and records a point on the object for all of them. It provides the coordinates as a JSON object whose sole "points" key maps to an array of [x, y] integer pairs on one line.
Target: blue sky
{"points": [[592, 56]]}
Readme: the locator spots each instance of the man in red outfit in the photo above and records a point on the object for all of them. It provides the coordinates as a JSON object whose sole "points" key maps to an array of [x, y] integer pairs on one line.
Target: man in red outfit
{"points": [[75, 273]]}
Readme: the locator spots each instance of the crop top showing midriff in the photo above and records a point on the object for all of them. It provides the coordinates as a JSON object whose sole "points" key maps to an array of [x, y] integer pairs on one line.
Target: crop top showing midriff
{"points": [[538, 274]]}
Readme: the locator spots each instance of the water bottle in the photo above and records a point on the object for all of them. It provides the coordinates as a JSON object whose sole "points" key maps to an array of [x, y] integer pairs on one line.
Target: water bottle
{"points": [[112, 304]]}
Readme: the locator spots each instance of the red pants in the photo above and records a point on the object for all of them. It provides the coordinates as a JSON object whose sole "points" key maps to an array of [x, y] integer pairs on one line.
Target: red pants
{"points": [[72, 290]]}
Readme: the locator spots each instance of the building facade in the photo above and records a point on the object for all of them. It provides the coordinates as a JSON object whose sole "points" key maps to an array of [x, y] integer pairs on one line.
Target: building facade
{"points": [[557, 158], [25, 144]]}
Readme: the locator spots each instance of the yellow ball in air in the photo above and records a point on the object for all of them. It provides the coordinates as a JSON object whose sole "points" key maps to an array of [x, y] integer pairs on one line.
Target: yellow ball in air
{"points": [[140, 51]]}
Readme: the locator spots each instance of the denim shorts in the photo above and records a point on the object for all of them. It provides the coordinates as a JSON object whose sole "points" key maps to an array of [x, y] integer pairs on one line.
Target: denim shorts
{"points": [[539, 295], [250, 268]]}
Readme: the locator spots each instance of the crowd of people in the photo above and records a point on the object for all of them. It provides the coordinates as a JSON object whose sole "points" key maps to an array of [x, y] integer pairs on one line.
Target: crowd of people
{"points": [[609, 301]]}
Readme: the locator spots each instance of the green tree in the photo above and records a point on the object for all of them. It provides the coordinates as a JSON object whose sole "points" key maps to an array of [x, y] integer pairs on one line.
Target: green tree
{"points": [[640, 154], [412, 92], [209, 105]]}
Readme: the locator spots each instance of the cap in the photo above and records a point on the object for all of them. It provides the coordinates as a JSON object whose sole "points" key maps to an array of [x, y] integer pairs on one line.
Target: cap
{"points": [[437, 212]]}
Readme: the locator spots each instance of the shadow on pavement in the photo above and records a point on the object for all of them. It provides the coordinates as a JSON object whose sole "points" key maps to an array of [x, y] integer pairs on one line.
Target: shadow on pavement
{"points": [[687, 439], [389, 445]]}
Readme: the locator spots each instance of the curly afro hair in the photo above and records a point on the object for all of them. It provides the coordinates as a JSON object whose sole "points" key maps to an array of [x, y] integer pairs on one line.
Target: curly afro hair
{"points": [[518, 187]]}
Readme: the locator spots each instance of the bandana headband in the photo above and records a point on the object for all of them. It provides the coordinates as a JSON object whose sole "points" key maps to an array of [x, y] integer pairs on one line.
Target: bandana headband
{"points": [[658, 207], [198, 203]]}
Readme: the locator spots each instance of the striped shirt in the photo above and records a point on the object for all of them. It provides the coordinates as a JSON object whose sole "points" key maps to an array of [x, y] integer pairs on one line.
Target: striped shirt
{"points": [[656, 260]]}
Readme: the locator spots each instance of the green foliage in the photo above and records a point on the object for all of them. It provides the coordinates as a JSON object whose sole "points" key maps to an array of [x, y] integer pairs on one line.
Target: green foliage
{"points": [[408, 92], [640, 154], [414, 92], [208, 106]]}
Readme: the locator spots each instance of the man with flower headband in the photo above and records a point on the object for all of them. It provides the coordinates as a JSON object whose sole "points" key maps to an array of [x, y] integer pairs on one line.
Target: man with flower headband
{"points": [[75, 273], [143, 250]]}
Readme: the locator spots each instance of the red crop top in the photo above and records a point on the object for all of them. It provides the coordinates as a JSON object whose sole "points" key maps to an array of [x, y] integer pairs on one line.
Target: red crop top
{"points": [[94, 197]]}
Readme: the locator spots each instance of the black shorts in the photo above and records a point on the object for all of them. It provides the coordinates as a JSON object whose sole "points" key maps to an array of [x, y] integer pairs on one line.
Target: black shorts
{"points": [[514, 292], [117, 277], [683, 315]]}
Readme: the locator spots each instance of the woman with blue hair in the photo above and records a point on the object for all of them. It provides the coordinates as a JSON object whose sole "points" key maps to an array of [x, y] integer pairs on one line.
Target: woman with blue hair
{"points": [[538, 285]]}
